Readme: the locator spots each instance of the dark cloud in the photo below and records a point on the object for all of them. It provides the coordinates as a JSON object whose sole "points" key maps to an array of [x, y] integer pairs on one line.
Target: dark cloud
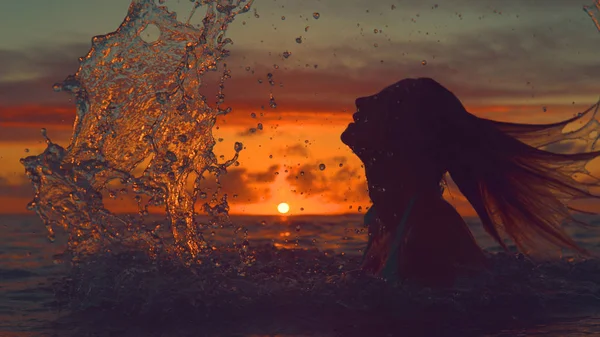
{"points": [[346, 184], [487, 64], [241, 185], [296, 150], [250, 132], [28, 75], [15, 189], [26, 133], [267, 176]]}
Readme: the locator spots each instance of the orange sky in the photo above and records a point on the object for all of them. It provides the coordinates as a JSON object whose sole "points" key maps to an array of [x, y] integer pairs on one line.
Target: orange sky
{"points": [[270, 163], [506, 60]]}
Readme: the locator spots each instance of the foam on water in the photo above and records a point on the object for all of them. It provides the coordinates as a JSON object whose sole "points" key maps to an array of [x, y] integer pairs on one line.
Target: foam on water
{"points": [[143, 126]]}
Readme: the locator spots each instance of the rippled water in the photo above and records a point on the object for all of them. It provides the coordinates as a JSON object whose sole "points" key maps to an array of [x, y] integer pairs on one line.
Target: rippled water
{"points": [[290, 290]]}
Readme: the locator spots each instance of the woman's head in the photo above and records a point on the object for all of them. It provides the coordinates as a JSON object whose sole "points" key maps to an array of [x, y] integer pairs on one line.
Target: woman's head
{"points": [[513, 186], [404, 117]]}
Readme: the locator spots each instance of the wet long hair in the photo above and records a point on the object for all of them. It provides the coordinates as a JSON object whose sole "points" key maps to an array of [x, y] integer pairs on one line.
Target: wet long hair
{"points": [[514, 185]]}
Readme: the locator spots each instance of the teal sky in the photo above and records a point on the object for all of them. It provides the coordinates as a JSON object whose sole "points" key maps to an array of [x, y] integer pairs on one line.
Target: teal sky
{"points": [[31, 22], [489, 51]]}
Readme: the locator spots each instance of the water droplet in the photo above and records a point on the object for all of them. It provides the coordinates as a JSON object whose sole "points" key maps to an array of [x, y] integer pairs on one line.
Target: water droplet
{"points": [[287, 54], [316, 15], [171, 156], [393, 7], [424, 62], [272, 103], [282, 17], [238, 146], [299, 39], [253, 115], [259, 126], [26, 150], [306, 28], [150, 34], [321, 166], [544, 108]]}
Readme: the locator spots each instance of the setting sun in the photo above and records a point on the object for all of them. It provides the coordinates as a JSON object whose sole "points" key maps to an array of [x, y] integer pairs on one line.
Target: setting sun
{"points": [[283, 208]]}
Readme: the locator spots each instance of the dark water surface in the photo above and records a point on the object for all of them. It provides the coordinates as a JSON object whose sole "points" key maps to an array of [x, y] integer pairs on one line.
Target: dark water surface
{"points": [[316, 293]]}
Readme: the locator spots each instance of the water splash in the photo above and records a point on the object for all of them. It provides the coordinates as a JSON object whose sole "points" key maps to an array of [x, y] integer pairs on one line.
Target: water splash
{"points": [[594, 12], [143, 126]]}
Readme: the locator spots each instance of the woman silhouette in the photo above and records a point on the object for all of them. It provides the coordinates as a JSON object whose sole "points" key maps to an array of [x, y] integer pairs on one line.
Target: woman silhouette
{"points": [[413, 132]]}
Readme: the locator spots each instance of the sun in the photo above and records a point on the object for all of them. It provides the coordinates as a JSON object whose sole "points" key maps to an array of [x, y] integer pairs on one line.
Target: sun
{"points": [[283, 208]]}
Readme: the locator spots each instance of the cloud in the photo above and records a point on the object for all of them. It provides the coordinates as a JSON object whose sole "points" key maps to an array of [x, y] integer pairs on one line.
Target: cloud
{"points": [[241, 185], [265, 177], [296, 150], [27, 76], [485, 66], [30, 134], [345, 184], [15, 189]]}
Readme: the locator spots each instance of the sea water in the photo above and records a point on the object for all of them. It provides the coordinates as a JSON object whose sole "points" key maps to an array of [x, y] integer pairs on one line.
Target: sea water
{"points": [[181, 266], [304, 282]]}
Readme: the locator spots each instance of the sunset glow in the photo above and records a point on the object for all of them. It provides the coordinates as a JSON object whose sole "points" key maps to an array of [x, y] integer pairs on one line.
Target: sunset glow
{"points": [[315, 87]]}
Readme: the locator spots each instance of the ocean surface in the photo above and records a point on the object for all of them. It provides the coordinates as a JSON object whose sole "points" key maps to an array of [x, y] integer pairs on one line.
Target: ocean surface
{"points": [[332, 301]]}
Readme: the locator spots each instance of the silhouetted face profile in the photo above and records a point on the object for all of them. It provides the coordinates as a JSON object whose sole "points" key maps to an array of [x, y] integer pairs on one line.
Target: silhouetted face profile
{"points": [[400, 132], [397, 120]]}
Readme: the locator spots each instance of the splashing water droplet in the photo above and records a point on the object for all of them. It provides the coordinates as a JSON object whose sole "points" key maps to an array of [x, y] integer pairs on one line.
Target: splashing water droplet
{"points": [[146, 77], [238, 147], [150, 34], [594, 12], [316, 15], [322, 167]]}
